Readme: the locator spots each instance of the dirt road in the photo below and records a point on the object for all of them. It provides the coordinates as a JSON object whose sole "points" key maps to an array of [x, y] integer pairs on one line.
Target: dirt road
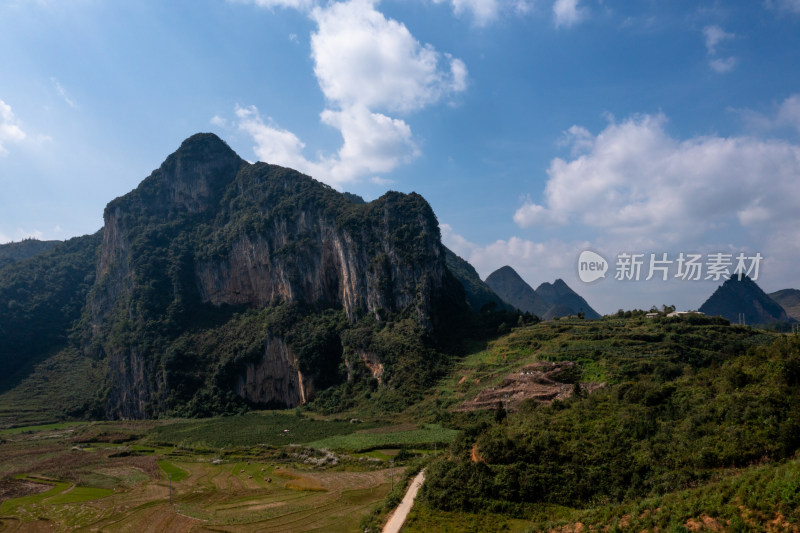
{"points": [[399, 515]]}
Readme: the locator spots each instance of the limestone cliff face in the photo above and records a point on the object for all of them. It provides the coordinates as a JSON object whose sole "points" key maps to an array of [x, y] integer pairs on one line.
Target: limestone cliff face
{"points": [[274, 379], [209, 229], [359, 271]]}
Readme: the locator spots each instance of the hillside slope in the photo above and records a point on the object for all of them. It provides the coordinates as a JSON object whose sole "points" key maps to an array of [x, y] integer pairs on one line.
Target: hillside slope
{"points": [[789, 299], [43, 298], [478, 293]]}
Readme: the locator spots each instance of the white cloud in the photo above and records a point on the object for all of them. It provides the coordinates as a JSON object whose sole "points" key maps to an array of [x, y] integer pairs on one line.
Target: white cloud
{"points": [[637, 181], [10, 130], [714, 35], [373, 143], [368, 67], [789, 112], [63, 93], [20, 235], [792, 6], [567, 12], [541, 261], [273, 145], [787, 115], [723, 65], [363, 58], [271, 4], [482, 11], [219, 121], [485, 11]]}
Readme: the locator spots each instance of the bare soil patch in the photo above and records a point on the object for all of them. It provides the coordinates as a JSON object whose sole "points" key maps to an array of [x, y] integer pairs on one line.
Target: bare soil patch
{"points": [[541, 381], [16, 488]]}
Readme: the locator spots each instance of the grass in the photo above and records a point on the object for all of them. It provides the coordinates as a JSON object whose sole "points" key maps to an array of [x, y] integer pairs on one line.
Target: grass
{"points": [[264, 490], [9, 507], [265, 428], [173, 472], [62, 384], [41, 427], [79, 494], [364, 440]]}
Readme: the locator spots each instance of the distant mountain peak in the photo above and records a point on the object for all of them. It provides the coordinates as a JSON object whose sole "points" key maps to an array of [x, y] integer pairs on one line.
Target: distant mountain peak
{"points": [[548, 301], [204, 142], [509, 286], [565, 301], [561, 284], [743, 297]]}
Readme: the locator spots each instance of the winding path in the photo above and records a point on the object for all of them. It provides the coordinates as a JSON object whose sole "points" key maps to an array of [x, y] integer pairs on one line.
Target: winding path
{"points": [[399, 515]]}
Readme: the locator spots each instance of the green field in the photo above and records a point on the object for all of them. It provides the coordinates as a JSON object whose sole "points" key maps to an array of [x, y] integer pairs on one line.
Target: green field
{"points": [[252, 429], [426, 436]]}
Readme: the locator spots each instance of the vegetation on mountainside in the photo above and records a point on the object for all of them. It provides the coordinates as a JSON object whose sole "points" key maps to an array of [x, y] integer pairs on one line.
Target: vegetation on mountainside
{"points": [[697, 421], [198, 349], [40, 301], [681, 402], [478, 293], [18, 251]]}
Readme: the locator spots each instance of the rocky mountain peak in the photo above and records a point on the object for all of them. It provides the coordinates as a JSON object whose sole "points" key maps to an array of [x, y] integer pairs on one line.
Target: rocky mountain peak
{"points": [[190, 180]]}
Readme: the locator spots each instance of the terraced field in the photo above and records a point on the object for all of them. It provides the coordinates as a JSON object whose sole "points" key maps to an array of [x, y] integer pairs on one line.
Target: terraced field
{"points": [[57, 481]]}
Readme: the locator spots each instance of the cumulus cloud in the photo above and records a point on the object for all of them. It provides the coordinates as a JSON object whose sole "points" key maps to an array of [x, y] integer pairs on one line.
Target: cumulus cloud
{"points": [[10, 130], [373, 143], [541, 261], [634, 179], [273, 144], [567, 13], [363, 58], [368, 67]]}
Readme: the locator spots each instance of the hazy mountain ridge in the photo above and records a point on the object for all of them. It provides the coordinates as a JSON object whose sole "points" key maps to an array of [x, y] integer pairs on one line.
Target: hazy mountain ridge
{"points": [[560, 294], [18, 251], [548, 301], [478, 293], [507, 284], [789, 299], [43, 297]]}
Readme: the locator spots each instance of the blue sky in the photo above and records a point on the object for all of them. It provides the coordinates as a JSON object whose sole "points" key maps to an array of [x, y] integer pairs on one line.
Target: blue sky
{"points": [[535, 128]]}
